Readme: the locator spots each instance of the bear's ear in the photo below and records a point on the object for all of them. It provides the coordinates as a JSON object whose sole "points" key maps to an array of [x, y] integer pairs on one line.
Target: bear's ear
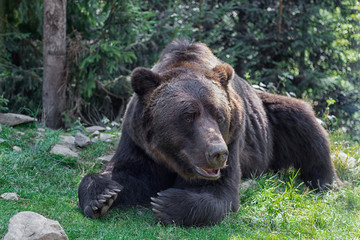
{"points": [[144, 81], [224, 73]]}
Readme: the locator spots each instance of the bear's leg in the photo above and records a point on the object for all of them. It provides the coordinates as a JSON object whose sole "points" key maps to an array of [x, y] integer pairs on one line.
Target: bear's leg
{"points": [[98, 192], [200, 203], [191, 208], [299, 140], [129, 179]]}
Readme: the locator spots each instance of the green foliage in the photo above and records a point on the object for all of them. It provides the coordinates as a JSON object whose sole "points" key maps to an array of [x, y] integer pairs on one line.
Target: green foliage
{"points": [[3, 103], [306, 49], [107, 41], [328, 119], [21, 57]]}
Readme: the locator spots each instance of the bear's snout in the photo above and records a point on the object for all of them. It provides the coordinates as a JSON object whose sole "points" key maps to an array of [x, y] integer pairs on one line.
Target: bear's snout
{"points": [[217, 155]]}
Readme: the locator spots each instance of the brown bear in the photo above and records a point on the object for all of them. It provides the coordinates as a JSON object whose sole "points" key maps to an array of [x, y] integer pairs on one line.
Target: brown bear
{"points": [[192, 130]]}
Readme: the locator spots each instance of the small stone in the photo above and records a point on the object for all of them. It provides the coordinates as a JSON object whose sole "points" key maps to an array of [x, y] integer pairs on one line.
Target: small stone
{"points": [[63, 150], [106, 136], [2, 140], [108, 128], [94, 128], [105, 158], [41, 130], [247, 184], [20, 133], [81, 140], [33, 226], [10, 196], [96, 133], [67, 140], [17, 149], [12, 119]]}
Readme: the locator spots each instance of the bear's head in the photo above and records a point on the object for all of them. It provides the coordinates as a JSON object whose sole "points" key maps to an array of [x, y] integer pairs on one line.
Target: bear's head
{"points": [[187, 118]]}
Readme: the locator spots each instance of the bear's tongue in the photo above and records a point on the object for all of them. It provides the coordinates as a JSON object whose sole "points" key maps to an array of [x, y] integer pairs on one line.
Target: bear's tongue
{"points": [[208, 172], [211, 171]]}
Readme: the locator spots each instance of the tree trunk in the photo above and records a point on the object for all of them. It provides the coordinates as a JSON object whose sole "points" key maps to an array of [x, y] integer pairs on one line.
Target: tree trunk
{"points": [[54, 56]]}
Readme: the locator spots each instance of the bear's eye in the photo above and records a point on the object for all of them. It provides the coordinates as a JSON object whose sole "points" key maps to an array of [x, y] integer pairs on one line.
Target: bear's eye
{"points": [[189, 117], [220, 118]]}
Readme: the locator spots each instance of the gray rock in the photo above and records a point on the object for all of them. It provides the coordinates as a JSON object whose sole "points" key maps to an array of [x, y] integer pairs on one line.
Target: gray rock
{"points": [[63, 150], [2, 140], [9, 196], [94, 128], [106, 136], [105, 158], [81, 140], [67, 140], [33, 226], [17, 149], [95, 134], [13, 119]]}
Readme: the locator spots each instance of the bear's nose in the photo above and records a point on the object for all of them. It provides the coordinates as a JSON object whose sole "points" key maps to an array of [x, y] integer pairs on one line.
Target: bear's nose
{"points": [[217, 155]]}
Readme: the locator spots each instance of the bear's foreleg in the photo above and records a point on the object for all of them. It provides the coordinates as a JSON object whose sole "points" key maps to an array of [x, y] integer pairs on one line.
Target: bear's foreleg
{"points": [[189, 208], [202, 203]]}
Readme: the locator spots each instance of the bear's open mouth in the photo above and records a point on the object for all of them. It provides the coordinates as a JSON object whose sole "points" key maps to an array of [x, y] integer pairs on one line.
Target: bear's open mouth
{"points": [[208, 173]]}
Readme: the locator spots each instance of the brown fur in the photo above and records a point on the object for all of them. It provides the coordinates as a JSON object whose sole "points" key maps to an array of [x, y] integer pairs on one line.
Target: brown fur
{"points": [[192, 130]]}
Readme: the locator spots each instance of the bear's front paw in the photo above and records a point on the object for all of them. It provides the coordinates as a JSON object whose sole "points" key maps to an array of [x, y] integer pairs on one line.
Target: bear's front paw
{"points": [[166, 206], [97, 194], [101, 203], [189, 208]]}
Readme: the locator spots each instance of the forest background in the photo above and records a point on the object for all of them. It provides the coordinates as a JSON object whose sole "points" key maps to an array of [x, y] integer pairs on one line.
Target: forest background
{"points": [[305, 49]]}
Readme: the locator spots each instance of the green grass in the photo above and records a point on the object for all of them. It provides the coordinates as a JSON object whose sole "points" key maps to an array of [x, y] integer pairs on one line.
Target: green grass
{"points": [[278, 207]]}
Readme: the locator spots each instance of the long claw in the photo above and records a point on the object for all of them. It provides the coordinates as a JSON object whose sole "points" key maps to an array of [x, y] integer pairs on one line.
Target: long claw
{"points": [[155, 210], [155, 205], [157, 201]]}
